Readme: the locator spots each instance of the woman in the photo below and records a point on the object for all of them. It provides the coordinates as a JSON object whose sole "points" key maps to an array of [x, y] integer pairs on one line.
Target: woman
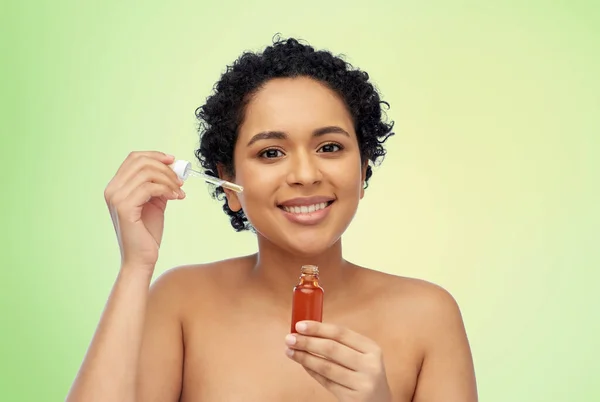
{"points": [[299, 130]]}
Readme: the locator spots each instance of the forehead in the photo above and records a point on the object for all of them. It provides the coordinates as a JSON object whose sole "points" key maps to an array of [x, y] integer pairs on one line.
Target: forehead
{"points": [[294, 105]]}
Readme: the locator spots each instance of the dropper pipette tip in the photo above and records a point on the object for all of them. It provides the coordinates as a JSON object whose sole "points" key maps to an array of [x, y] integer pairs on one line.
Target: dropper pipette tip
{"points": [[218, 182]]}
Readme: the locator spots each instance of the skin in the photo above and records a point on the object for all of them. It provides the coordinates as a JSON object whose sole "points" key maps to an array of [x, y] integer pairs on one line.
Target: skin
{"points": [[220, 331]]}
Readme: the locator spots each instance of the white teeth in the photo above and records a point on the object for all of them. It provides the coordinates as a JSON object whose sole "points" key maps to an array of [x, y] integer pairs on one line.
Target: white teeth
{"points": [[305, 209]]}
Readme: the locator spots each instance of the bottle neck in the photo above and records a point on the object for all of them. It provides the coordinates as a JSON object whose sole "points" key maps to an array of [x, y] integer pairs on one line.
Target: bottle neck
{"points": [[309, 279], [309, 274]]}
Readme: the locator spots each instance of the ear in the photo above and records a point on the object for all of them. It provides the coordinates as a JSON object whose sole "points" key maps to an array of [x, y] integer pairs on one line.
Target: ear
{"points": [[232, 199], [363, 177]]}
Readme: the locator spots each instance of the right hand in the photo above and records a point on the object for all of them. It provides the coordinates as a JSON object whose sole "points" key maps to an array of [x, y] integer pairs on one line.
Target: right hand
{"points": [[137, 197]]}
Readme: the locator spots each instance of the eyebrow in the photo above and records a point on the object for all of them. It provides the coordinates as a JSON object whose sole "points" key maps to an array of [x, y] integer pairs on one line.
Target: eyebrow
{"points": [[280, 135]]}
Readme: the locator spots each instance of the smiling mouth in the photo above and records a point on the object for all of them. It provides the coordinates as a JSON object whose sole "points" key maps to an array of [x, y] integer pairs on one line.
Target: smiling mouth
{"points": [[305, 209]]}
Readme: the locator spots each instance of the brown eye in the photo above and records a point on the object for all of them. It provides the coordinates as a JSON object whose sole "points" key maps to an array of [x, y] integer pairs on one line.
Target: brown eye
{"points": [[271, 153], [331, 148]]}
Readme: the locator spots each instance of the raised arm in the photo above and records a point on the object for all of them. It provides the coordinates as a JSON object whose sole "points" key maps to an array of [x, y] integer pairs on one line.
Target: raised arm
{"points": [[136, 198]]}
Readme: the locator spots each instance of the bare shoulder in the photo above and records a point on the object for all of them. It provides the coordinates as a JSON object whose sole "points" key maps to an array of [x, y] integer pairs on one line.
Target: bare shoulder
{"points": [[428, 309], [177, 284], [420, 297], [436, 323], [175, 296]]}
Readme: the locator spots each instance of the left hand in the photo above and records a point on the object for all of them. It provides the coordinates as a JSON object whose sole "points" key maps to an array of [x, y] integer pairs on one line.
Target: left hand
{"points": [[346, 363]]}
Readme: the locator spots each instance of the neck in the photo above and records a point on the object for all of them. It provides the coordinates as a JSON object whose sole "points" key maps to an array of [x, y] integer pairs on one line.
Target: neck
{"points": [[278, 271]]}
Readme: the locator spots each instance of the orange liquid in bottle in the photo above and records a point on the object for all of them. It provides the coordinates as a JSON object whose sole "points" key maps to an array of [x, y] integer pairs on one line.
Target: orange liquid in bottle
{"points": [[307, 299]]}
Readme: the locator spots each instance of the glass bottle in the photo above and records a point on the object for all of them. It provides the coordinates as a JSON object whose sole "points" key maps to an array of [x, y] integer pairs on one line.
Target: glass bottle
{"points": [[307, 297]]}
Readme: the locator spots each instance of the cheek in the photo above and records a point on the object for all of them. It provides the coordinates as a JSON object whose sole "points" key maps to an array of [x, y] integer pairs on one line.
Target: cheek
{"points": [[259, 184], [347, 177]]}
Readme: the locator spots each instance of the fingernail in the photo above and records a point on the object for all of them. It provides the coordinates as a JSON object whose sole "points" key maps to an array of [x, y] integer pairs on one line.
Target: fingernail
{"points": [[182, 193], [301, 326], [289, 352], [290, 339]]}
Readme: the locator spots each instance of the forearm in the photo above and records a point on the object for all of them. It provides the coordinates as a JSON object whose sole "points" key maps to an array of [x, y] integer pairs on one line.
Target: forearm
{"points": [[109, 370]]}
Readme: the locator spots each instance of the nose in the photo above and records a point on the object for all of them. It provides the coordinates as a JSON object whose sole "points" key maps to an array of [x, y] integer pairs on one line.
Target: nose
{"points": [[304, 170]]}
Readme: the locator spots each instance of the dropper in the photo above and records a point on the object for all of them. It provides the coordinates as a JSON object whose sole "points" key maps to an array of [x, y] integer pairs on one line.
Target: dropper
{"points": [[183, 169]]}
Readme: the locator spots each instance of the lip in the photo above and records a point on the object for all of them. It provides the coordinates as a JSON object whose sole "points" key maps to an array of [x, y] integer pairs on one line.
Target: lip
{"points": [[310, 218], [306, 201]]}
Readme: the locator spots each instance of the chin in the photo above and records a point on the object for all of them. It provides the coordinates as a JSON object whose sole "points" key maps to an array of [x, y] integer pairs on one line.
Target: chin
{"points": [[309, 249], [305, 243], [308, 242], [306, 236]]}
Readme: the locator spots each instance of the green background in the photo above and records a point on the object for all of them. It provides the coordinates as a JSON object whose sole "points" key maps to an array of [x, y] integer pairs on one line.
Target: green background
{"points": [[490, 187]]}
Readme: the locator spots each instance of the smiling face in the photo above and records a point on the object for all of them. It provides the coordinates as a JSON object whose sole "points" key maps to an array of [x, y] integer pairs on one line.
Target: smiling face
{"points": [[298, 159]]}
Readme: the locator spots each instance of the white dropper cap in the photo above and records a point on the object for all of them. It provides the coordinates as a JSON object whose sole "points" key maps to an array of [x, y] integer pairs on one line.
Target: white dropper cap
{"points": [[181, 169]]}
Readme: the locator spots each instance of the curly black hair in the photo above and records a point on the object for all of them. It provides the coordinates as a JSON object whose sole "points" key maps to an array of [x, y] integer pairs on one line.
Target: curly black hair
{"points": [[223, 112]]}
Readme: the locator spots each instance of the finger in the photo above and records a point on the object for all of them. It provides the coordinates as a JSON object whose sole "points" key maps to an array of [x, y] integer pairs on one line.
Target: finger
{"points": [[131, 167], [133, 160], [137, 163], [142, 195], [343, 335], [149, 174], [327, 348], [158, 156], [333, 387], [327, 368]]}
